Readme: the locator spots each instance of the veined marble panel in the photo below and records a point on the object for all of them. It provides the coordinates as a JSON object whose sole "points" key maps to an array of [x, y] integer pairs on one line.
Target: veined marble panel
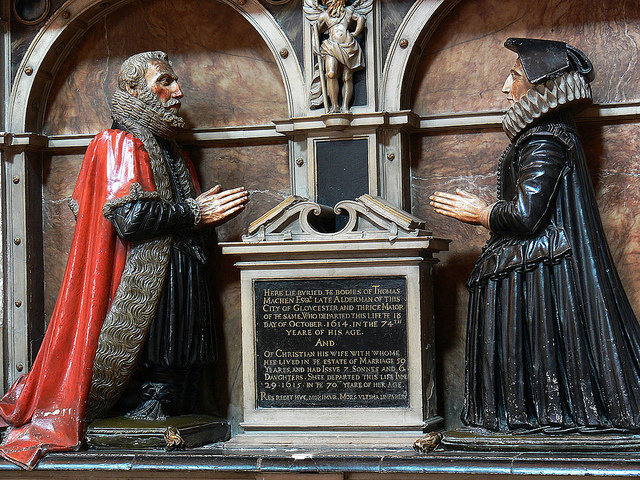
{"points": [[444, 163], [228, 74], [59, 174], [464, 65], [264, 171]]}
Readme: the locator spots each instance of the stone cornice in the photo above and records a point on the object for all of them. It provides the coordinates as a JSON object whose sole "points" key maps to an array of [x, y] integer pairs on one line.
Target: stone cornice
{"points": [[279, 130]]}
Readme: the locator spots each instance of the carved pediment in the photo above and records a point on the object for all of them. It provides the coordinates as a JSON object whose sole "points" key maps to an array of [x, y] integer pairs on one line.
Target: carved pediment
{"points": [[298, 218]]}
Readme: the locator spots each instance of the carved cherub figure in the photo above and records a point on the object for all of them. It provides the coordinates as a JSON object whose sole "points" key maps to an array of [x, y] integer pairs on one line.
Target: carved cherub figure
{"points": [[340, 53]]}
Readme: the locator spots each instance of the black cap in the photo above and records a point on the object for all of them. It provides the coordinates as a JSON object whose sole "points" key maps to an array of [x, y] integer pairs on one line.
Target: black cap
{"points": [[543, 60]]}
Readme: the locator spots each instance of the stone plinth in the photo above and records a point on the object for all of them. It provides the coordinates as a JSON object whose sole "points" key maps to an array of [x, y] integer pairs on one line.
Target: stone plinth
{"points": [[337, 328]]}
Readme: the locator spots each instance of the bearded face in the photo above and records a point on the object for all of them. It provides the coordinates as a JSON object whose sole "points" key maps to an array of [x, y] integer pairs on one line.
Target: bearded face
{"points": [[166, 110], [160, 91]]}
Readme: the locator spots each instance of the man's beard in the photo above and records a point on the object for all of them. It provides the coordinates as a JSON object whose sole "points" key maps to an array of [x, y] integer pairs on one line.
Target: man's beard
{"points": [[146, 110], [164, 110]]}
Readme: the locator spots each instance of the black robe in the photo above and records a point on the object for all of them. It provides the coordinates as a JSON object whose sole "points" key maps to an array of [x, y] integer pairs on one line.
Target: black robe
{"points": [[552, 341], [182, 332]]}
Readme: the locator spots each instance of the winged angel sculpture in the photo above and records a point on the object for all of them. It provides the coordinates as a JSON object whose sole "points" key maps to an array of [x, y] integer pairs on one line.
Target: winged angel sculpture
{"points": [[339, 53]]}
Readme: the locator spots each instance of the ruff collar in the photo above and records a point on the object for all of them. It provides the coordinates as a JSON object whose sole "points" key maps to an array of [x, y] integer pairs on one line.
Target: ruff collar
{"points": [[569, 89], [129, 110]]}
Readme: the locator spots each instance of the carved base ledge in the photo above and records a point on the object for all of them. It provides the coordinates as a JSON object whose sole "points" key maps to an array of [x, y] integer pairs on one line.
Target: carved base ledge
{"points": [[219, 462], [469, 439], [341, 121]]}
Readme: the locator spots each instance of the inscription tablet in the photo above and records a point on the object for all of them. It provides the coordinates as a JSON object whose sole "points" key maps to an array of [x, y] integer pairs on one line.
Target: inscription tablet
{"points": [[331, 342]]}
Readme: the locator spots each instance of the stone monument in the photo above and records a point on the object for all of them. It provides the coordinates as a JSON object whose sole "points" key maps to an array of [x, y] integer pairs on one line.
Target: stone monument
{"points": [[336, 280], [337, 326]]}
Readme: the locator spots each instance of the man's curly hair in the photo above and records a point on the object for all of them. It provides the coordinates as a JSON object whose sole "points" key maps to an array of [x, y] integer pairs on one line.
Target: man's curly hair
{"points": [[134, 68]]}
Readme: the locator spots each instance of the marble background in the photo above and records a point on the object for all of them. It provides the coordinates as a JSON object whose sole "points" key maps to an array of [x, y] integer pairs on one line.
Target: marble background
{"points": [[392, 12], [227, 79], [230, 78], [464, 65], [462, 70]]}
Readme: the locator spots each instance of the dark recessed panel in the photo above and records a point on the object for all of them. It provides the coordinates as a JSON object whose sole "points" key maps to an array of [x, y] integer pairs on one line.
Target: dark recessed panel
{"points": [[342, 170]]}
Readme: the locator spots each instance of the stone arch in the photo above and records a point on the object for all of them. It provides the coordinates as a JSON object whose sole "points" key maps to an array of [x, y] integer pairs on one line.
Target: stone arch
{"points": [[416, 29], [55, 41]]}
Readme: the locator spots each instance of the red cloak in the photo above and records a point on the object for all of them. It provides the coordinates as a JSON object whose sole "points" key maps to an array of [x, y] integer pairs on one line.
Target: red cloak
{"points": [[46, 407]]}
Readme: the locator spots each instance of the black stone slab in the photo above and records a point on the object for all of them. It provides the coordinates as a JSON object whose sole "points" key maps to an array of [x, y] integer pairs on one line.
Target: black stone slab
{"points": [[331, 342], [342, 170], [360, 76]]}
